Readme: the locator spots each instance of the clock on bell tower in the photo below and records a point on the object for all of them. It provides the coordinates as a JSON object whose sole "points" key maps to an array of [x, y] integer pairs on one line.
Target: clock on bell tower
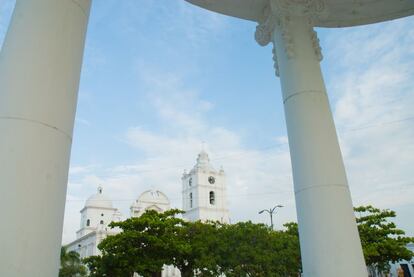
{"points": [[204, 192]]}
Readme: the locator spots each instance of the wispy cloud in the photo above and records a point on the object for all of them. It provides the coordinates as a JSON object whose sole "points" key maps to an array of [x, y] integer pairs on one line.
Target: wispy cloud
{"points": [[373, 90]]}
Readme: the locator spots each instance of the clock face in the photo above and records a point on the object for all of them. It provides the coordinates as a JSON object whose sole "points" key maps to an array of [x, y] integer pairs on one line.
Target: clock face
{"points": [[211, 180]]}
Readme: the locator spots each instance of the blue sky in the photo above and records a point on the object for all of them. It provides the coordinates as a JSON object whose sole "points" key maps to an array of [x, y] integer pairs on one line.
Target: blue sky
{"points": [[161, 77]]}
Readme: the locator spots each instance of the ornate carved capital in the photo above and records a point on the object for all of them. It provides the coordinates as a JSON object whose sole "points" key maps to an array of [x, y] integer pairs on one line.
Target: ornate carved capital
{"points": [[279, 13], [316, 46], [275, 62], [264, 30]]}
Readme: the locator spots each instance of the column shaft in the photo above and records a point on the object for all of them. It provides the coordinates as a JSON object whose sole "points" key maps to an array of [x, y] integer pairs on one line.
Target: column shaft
{"points": [[329, 239], [40, 65]]}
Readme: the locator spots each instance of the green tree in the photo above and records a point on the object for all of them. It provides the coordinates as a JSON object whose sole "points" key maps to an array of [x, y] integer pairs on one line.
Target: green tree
{"points": [[198, 252], [250, 249], [108, 265], [145, 244], [244, 249], [70, 264], [202, 249], [290, 253], [382, 242]]}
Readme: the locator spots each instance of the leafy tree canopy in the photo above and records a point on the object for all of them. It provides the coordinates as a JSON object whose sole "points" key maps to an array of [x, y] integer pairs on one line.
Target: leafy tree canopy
{"points": [[382, 242], [243, 249], [145, 244], [200, 243], [70, 264], [203, 249], [254, 250]]}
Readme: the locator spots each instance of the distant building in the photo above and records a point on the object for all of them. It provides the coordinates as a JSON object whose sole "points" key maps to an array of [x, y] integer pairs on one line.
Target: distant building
{"points": [[204, 198], [95, 217], [204, 192]]}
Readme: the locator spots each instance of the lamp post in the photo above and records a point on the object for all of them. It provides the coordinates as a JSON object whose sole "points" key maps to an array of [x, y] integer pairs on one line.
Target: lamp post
{"points": [[271, 211]]}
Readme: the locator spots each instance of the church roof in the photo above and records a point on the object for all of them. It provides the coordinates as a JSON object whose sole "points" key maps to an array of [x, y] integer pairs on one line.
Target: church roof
{"points": [[99, 200]]}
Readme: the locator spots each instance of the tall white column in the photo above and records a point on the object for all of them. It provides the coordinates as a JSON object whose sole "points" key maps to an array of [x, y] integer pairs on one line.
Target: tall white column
{"points": [[40, 67], [329, 239]]}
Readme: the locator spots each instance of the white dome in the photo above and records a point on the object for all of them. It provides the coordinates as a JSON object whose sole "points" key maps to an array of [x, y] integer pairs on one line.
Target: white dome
{"points": [[150, 200], [98, 200], [153, 196]]}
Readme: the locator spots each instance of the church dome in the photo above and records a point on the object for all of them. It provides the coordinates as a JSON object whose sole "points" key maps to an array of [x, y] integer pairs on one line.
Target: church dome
{"points": [[98, 200], [150, 200], [153, 196]]}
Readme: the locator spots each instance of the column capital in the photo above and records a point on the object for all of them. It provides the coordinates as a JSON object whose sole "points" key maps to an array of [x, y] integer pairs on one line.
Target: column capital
{"points": [[265, 28], [279, 13], [278, 10]]}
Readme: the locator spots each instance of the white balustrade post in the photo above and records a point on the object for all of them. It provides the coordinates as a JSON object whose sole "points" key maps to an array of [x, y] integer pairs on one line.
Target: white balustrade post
{"points": [[40, 65]]}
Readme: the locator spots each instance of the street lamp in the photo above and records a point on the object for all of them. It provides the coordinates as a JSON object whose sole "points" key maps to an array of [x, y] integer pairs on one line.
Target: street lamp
{"points": [[271, 211]]}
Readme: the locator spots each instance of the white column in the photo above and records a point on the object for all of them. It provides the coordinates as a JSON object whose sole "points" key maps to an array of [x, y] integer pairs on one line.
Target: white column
{"points": [[40, 67], [329, 240]]}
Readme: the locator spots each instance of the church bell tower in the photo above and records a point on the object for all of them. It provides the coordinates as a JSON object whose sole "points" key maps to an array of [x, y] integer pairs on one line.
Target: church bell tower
{"points": [[204, 192]]}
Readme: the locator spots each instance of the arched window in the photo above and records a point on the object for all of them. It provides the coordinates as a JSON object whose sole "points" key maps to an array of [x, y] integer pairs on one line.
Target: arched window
{"points": [[191, 199], [101, 222], [88, 222], [212, 198]]}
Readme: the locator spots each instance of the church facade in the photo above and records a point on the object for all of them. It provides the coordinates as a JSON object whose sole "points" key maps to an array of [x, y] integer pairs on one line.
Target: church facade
{"points": [[95, 217], [203, 198]]}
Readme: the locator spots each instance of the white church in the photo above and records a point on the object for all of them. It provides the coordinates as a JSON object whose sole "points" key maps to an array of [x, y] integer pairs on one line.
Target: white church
{"points": [[203, 198]]}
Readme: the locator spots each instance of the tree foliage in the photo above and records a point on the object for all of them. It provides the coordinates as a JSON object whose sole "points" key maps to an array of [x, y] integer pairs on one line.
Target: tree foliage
{"points": [[144, 246], [70, 264], [254, 250], [382, 242], [199, 252], [202, 249], [244, 249], [291, 249]]}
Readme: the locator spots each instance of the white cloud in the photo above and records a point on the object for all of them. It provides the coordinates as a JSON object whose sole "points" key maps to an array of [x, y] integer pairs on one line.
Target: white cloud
{"points": [[374, 92], [75, 170]]}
